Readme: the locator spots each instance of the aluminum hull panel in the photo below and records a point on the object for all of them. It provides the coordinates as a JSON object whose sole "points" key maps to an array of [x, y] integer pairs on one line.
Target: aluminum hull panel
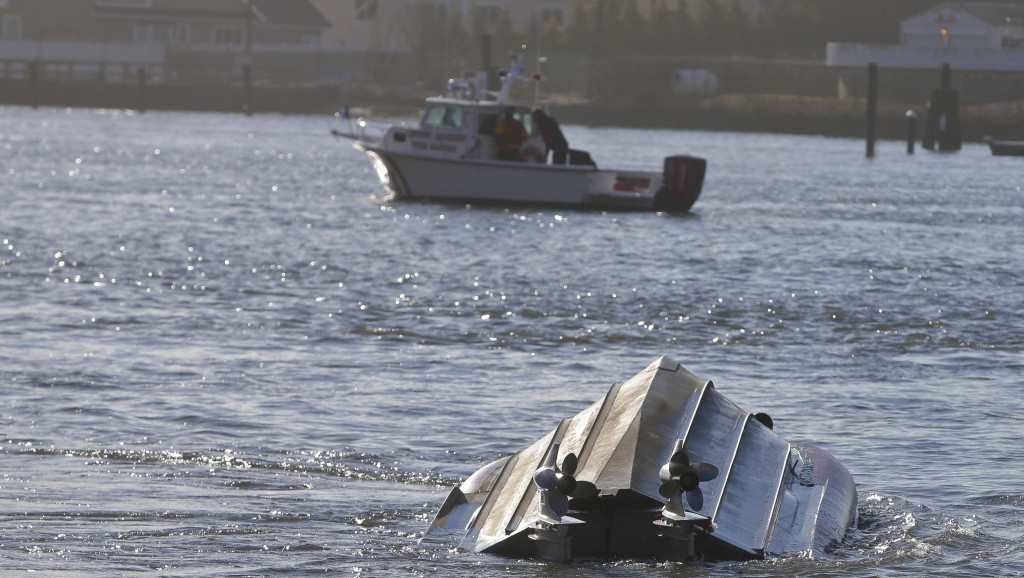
{"points": [[769, 496]]}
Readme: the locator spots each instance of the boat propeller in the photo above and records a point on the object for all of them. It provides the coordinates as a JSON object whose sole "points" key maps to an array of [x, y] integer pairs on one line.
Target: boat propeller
{"points": [[557, 484], [680, 477]]}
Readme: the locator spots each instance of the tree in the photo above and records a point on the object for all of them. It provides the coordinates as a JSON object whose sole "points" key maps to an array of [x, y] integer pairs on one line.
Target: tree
{"points": [[438, 39], [672, 31]]}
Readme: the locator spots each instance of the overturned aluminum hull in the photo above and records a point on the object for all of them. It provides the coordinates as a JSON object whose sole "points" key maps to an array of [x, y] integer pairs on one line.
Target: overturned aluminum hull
{"points": [[663, 466]]}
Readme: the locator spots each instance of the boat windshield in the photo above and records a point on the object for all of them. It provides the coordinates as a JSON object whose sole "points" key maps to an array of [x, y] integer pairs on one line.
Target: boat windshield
{"points": [[442, 116]]}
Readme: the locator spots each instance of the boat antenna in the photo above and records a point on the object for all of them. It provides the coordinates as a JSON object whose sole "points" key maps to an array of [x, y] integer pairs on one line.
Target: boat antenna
{"points": [[540, 59], [509, 76], [537, 77]]}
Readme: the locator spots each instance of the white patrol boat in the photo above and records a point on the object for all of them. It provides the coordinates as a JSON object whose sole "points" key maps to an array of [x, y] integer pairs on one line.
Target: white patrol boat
{"points": [[664, 466], [453, 155]]}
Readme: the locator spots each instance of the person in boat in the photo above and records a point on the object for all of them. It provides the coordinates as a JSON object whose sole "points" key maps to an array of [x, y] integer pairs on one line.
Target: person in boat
{"points": [[552, 134], [511, 136]]}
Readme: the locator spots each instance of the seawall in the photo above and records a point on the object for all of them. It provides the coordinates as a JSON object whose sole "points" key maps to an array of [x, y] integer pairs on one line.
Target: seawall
{"points": [[827, 116]]}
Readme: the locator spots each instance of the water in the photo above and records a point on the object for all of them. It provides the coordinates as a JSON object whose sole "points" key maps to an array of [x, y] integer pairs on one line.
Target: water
{"points": [[223, 352]]}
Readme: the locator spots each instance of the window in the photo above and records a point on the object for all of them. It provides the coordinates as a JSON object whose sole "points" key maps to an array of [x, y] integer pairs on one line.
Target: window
{"points": [[433, 117], [453, 117], [181, 34], [12, 28], [124, 3], [228, 35], [366, 9], [442, 117], [161, 33]]}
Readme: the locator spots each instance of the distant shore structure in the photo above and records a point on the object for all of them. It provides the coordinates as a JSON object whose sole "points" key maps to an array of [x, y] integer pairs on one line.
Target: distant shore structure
{"points": [[975, 36]]}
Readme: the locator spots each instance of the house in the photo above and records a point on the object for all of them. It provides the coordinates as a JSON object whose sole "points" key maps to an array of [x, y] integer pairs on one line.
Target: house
{"points": [[387, 25], [176, 22], [193, 40], [966, 25], [982, 36]]}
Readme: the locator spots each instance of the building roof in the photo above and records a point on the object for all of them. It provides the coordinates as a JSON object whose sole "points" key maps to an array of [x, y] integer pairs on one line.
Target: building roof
{"points": [[994, 13], [289, 13]]}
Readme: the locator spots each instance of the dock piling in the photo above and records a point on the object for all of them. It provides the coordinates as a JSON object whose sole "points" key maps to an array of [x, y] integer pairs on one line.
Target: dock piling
{"points": [[140, 95], [911, 130], [942, 127], [872, 108], [247, 88], [33, 83]]}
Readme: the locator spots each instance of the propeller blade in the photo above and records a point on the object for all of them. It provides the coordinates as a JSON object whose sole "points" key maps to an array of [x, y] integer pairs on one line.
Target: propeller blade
{"points": [[566, 484], [559, 504], [666, 473], [546, 474], [669, 489], [706, 472], [550, 457], [569, 463], [695, 498], [585, 490], [678, 463]]}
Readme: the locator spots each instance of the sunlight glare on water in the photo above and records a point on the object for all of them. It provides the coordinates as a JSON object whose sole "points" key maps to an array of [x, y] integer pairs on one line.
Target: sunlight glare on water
{"points": [[225, 352]]}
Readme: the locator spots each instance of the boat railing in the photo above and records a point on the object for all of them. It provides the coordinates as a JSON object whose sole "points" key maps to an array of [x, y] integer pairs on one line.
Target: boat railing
{"points": [[360, 129]]}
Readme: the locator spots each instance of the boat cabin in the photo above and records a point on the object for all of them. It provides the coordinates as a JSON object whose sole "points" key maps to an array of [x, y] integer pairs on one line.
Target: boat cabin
{"points": [[464, 149], [464, 130]]}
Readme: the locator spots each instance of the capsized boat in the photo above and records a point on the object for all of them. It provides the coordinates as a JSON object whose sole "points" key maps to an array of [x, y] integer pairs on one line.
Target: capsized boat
{"points": [[452, 154], [663, 466]]}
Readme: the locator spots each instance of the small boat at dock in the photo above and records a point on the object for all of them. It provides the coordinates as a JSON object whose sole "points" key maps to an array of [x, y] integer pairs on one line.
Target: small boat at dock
{"points": [[663, 466], [453, 154], [1005, 148]]}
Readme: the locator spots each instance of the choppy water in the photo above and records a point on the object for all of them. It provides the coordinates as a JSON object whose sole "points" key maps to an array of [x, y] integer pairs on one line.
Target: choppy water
{"points": [[223, 352]]}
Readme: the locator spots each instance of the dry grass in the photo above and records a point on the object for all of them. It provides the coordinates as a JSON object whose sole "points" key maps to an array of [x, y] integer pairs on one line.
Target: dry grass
{"points": [[813, 106], [1008, 112]]}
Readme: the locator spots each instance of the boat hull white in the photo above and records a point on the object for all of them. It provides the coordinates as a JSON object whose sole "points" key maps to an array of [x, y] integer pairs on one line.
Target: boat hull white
{"points": [[414, 176]]}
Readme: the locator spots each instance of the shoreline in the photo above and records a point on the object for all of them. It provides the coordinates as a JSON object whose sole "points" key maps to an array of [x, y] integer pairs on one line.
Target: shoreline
{"points": [[757, 113]]}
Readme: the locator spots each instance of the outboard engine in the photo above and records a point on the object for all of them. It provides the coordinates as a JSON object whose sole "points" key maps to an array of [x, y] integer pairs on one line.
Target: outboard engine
{"points": [[682, 180]]}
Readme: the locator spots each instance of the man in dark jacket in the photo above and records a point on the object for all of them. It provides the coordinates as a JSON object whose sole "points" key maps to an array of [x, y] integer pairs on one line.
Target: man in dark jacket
{"points": [[553, 137]]}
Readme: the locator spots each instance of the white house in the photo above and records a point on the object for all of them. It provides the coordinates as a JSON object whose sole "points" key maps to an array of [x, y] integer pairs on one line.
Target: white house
{"points": [[967, 35], [384, 25]]}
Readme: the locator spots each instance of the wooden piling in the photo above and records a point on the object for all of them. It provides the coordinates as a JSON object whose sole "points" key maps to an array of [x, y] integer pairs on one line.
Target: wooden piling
{"points": [[247, 87], [872, 108], [140, 94], [942, 127], [911, 130], [33, 83]]}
